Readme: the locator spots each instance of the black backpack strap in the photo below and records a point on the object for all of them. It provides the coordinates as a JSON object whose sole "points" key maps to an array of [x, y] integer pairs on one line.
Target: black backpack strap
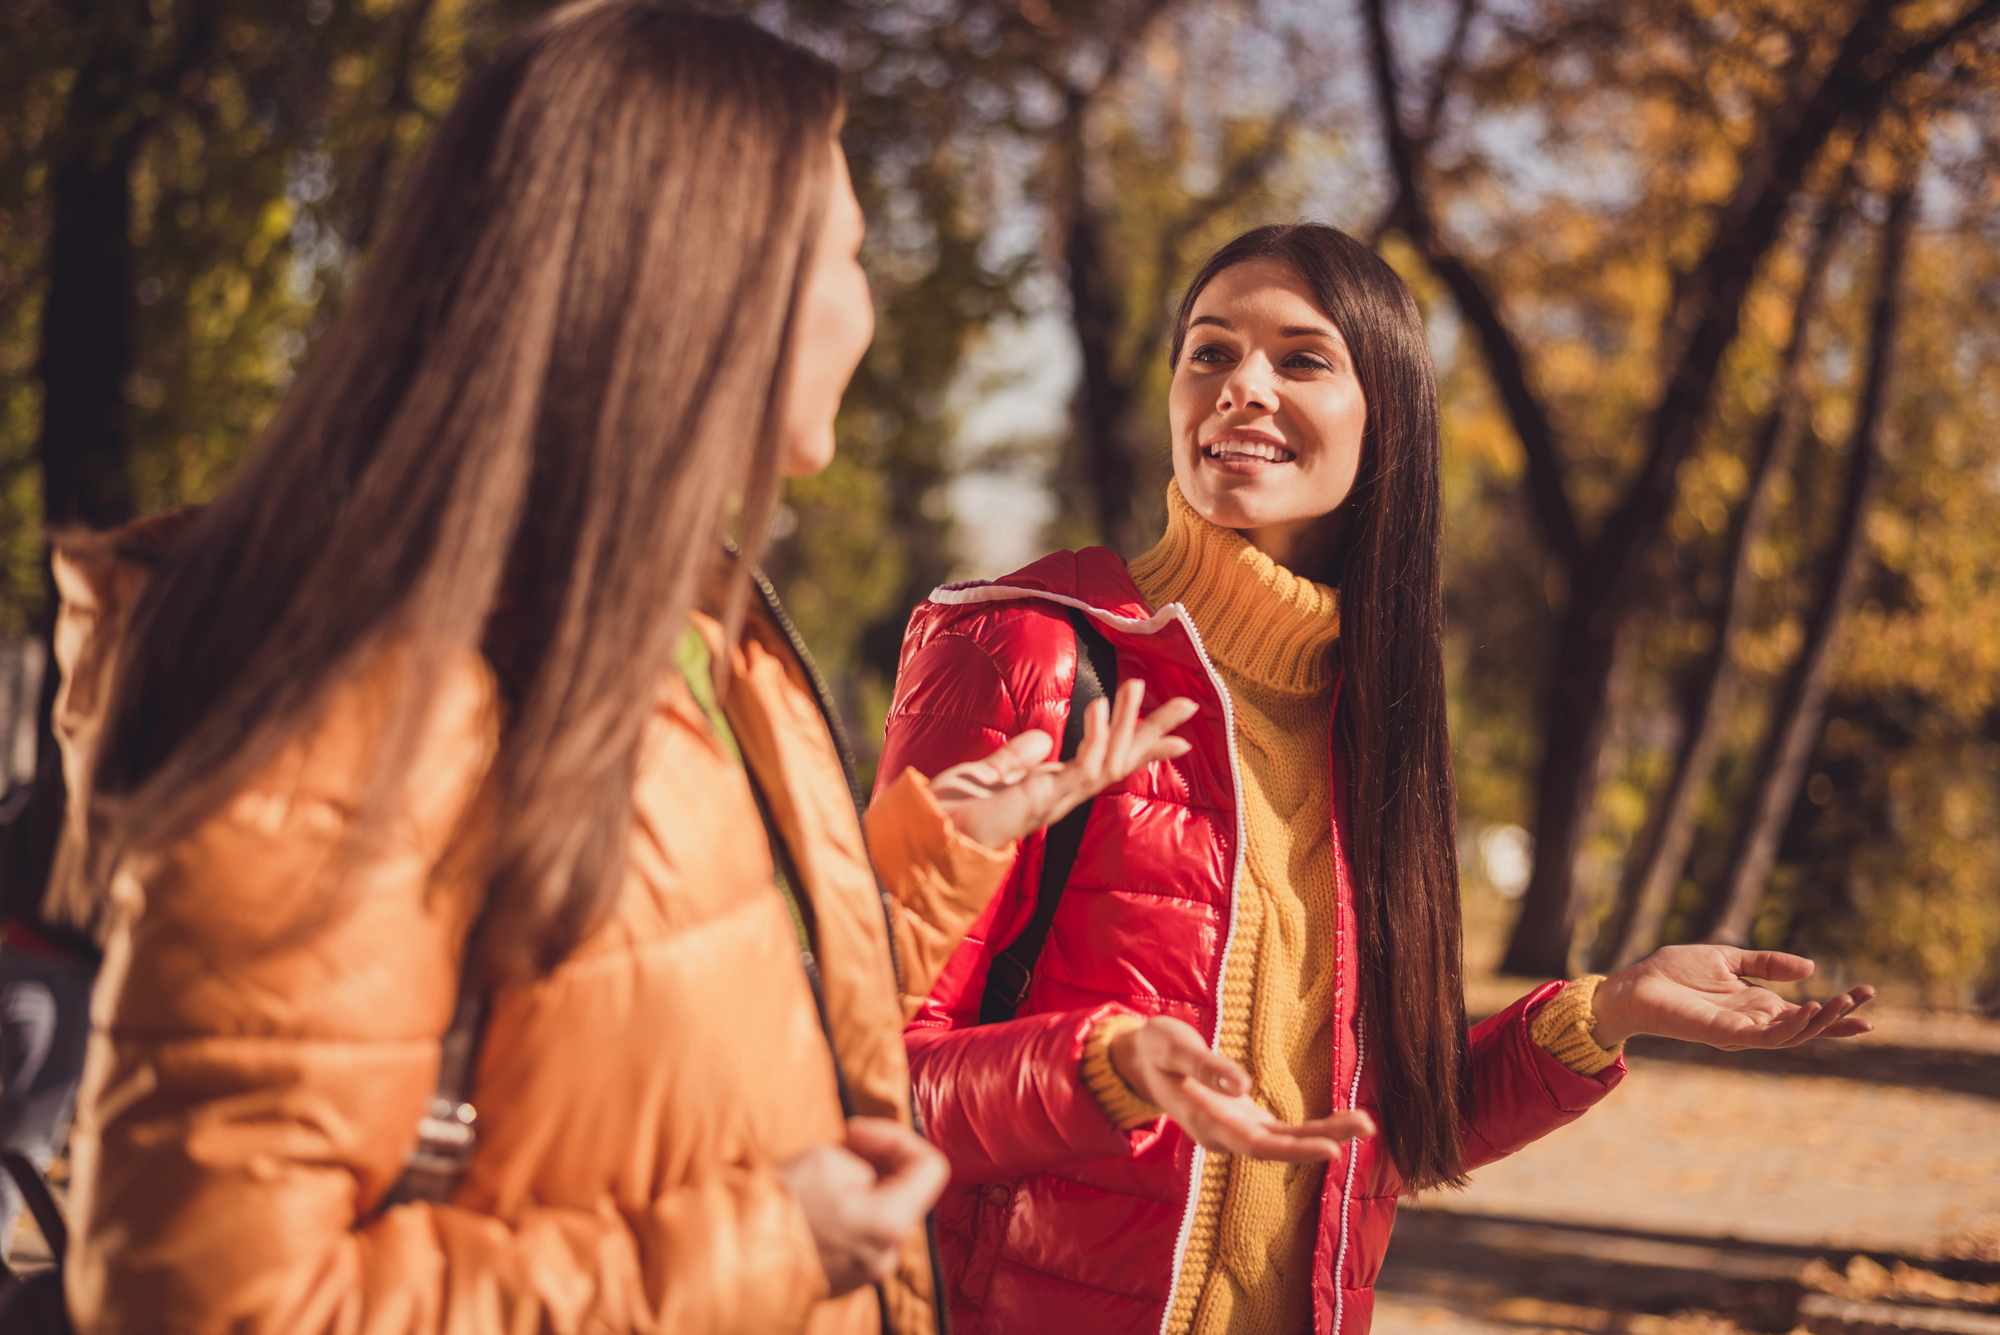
{"points": [[41, 1202], [1013, 969], [448, 1132]]}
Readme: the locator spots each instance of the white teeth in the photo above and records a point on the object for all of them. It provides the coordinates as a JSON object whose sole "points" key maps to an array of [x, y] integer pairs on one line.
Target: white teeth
{"points": [[1248, 449]]}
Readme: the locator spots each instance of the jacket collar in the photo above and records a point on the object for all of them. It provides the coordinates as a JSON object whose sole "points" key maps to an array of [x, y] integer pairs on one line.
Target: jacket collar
{"points": [[1095, 579]]}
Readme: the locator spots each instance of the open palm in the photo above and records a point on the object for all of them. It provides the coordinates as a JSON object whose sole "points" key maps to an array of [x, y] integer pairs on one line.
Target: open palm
{"points": [[1017, 790], [1706, 994]]}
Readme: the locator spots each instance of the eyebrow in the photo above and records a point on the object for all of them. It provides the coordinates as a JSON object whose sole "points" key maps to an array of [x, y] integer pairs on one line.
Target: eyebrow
{"points": [[1289, 331]]}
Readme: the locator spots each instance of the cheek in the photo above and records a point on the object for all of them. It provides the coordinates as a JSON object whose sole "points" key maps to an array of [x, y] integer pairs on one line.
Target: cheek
{"points": [[1183, 407], [1341, 421], [836, 321]]}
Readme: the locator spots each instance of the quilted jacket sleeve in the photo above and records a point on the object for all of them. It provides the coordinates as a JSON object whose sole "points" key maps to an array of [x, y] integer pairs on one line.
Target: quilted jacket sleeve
{"points": [[267, 1036], [1519, 1092], [940, 880], [1001, 1099]]}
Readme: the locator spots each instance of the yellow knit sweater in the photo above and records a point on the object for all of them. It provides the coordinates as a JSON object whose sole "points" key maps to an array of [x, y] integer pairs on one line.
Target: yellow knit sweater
{"points": [[1271, 636]]}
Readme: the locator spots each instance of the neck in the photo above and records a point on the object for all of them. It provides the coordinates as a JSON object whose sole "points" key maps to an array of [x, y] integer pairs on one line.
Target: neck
{"points": [[1309, 548]]}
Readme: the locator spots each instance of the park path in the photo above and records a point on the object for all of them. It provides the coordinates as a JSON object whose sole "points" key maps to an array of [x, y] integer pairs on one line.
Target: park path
{"points": [[1715, 1191]]}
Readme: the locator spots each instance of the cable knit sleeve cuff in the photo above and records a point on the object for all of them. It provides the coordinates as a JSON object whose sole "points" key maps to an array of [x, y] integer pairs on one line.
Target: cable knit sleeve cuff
{"points": [[1562, 1029], [1121, 1103]]}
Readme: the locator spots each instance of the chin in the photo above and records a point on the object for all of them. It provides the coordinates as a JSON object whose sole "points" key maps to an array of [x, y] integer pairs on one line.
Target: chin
{"points": [[810, 454], [1237, 502]]}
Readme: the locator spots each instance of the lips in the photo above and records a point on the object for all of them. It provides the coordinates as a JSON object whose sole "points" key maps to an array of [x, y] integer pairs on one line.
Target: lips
{"points": [[1233, 449]]}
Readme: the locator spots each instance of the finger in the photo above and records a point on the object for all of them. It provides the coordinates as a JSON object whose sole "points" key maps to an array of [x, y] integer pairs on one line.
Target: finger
{"points": [[1176, 1046], [1021, 754], [1238, 1126], [1835, 1019], [1125, 706], [1096, 740], [1828, 1013], [1170, 715], [1221, 1073], [1340, 1126], [1125, 716], [1084, 775], [908, 1194], [885, 1144], [1270, 1142], [1783, 1031], [1283, 1149], [1151, 742], [1162, 720], [1772, 965], [973, 777]]}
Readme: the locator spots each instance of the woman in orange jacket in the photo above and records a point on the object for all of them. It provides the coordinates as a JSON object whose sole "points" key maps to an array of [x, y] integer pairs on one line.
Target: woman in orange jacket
{"points": [[454, 705]]}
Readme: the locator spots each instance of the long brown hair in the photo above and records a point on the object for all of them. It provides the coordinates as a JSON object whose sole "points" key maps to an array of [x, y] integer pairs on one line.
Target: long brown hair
{"points": [[553, 384], [1392, 700]]}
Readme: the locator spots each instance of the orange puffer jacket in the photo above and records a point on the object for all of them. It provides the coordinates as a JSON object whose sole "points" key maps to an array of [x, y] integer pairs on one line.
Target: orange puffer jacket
{"points": [[267, 1030]]}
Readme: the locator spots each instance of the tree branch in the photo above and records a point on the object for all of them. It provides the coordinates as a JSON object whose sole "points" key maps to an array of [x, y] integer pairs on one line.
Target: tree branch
{"points": [[1802, 707], [1709, 308], [1656, 866], [1446, 72], [1412, 214], [1242, 176]]}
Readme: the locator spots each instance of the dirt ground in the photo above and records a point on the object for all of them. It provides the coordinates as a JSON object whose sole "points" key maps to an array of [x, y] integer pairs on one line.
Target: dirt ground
{"points": [[1842, 1187]]}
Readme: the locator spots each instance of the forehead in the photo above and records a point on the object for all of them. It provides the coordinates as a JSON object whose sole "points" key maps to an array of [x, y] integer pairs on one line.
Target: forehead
{"points": [[1261, 291]]}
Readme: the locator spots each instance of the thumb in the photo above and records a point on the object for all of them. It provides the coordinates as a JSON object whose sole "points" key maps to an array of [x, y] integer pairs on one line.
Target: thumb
{"points": [[1771, 965], [1024, 752]]}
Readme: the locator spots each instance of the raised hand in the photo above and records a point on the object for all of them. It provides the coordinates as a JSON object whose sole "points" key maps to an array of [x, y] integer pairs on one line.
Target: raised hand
{"points": [[1705, 994], [863, 1199], [1208, 1096], [1017, 790]]}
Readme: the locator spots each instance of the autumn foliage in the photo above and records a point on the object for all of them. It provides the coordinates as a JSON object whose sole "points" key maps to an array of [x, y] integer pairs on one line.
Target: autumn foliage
{"points": [[1714, 289]]}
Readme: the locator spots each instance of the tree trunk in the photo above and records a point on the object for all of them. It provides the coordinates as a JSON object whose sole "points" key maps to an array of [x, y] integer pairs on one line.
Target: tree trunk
{"points": [[1702, 324], [86, 355], [87, 345], [1795, 728], [1576, 723], [1605, 574], [1655, 868], [1104, 391]]}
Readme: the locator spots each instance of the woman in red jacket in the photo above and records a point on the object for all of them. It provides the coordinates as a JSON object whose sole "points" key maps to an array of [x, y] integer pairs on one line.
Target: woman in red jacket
{"points": [[1254, 959]]}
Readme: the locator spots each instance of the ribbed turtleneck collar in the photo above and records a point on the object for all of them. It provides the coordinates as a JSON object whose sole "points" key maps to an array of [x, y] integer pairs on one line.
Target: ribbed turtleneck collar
{"points": [[1258, 620]]}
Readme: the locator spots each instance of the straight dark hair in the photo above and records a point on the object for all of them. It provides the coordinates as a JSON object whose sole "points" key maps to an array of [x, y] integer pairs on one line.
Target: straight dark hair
{"points": [[525, 434], [1392, 699]]}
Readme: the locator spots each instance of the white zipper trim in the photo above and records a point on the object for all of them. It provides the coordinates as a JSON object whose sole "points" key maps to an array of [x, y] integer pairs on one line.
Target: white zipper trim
{"points": [[994, 593], [1347, 1187]]}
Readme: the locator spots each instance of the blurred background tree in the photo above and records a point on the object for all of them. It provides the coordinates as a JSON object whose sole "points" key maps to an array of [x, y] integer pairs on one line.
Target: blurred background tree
{"points": [[1712, 286]]}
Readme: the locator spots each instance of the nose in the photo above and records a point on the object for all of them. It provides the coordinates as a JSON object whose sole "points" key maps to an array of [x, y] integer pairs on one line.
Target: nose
{"points": [[1250, 386]]}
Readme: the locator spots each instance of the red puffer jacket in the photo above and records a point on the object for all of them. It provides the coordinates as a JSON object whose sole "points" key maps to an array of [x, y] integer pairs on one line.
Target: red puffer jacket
{"points": [[1055, 1221]]}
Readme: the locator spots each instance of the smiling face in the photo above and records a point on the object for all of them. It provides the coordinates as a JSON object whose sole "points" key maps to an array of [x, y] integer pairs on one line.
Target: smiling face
{"points": [[1267, 414], [835, 321]]}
